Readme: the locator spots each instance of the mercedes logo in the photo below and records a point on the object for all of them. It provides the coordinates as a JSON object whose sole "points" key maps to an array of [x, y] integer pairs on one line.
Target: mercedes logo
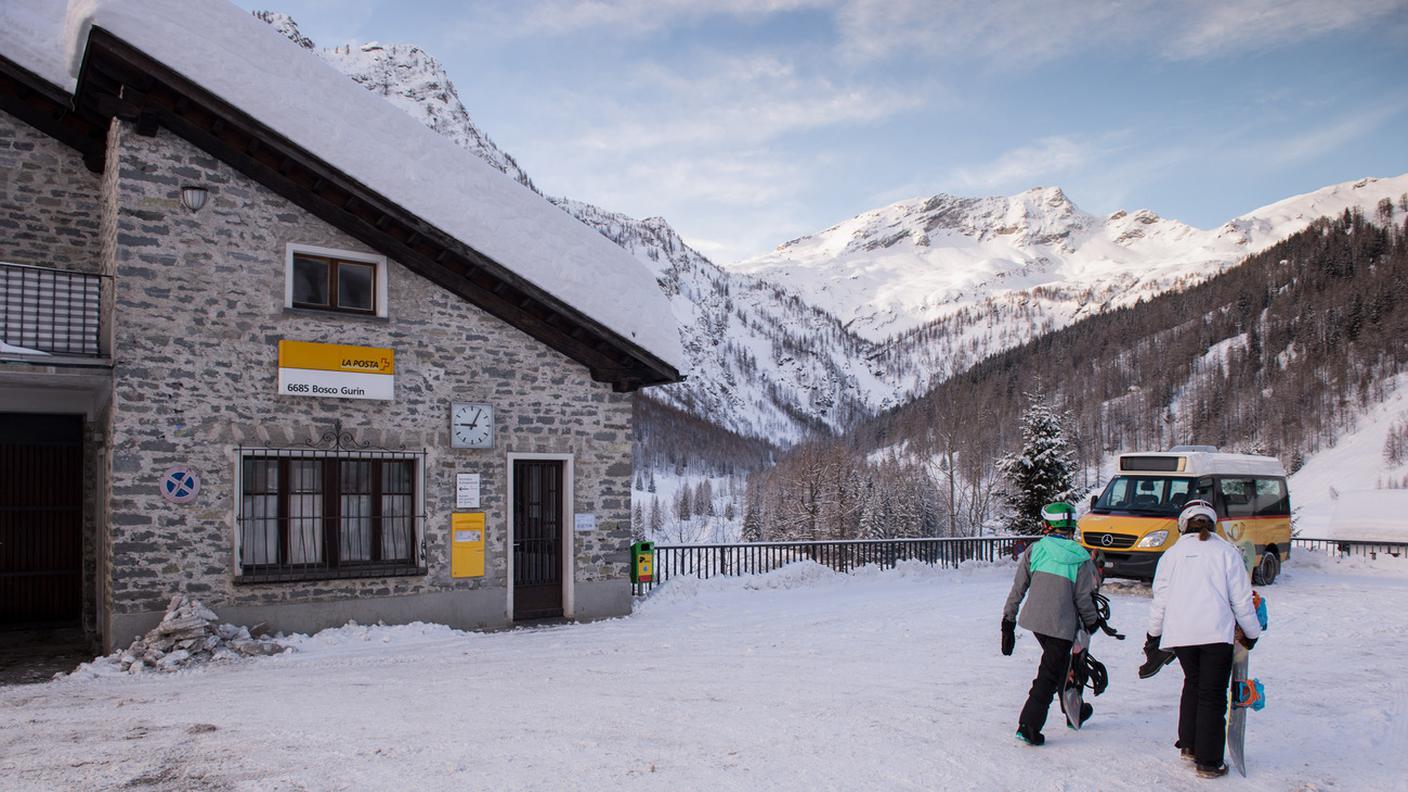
{"points": [[1107, 540]]}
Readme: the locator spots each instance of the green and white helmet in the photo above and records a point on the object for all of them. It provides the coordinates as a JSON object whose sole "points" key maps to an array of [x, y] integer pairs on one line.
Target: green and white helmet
{"points": [[1059, 516]]}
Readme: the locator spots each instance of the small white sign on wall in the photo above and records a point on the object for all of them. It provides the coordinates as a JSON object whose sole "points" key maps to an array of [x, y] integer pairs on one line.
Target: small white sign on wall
{"points": [[584, 522], [466, 490]]}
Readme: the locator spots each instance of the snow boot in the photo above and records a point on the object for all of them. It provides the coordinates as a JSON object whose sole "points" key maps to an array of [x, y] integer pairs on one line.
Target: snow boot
{"points": [[1030, 737], [1209, 770], [1184, 753]]}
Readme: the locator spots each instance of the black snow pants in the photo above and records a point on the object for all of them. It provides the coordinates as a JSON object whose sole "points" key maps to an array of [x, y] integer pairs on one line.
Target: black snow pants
{"points": [[1055, 660], [1202, 711]]}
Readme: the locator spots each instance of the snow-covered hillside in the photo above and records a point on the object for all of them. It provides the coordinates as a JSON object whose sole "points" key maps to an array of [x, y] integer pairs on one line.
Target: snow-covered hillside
{"points": [[1351, 490], [944, 281], [762, 362]]}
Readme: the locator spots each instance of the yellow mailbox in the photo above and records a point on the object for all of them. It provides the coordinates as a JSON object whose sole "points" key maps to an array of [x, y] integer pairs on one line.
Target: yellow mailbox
{"points": [[467, 545]]}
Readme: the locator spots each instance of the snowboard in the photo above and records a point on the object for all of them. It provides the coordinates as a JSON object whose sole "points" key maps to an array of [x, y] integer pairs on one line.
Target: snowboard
{"points": [[1237, 714], [1247, 694], [1073, 687]]}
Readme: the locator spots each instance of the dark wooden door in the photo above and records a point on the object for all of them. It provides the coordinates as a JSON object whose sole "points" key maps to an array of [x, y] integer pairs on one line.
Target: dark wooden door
{"points": [[41, 520], [537, 539]]}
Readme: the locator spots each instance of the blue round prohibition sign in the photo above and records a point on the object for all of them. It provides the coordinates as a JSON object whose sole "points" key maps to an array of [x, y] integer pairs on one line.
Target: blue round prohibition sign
{"points": [[180, 485]]}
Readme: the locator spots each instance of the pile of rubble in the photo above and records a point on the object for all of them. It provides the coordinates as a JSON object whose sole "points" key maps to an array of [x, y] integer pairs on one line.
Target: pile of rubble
{"points": [[190, 633]]}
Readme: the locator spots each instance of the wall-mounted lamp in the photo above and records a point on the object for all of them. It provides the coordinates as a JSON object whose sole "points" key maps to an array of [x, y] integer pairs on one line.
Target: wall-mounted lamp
{"points": [[193, 198]]}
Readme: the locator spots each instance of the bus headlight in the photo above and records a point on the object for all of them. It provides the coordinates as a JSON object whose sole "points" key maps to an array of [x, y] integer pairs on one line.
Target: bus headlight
{"points": [[1155, 539], [1077, 535]]}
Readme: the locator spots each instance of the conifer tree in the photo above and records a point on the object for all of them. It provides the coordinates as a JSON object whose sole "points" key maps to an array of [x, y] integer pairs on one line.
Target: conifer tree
{"points": [[650, 484], [1042, 470], [657, 520], [682, 509], [752, 523], [702, 503], [637, 524]]}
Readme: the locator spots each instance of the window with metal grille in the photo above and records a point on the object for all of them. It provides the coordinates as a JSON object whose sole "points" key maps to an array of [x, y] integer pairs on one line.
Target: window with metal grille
{"points": [[309, 515]]}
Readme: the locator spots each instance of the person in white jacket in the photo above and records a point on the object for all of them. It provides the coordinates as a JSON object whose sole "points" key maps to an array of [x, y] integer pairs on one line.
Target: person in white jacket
{"points": [[1202, 603]]}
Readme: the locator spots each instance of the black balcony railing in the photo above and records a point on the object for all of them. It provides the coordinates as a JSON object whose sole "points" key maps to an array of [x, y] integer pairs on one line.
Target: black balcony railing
{"points": [[715, 560], [50, 311]]}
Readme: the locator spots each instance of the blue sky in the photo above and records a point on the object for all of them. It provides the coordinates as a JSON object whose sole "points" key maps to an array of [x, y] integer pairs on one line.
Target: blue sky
{"points": [[747, 123]]}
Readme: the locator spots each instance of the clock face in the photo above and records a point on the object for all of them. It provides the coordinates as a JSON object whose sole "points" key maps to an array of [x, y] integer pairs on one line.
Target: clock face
{"points": [[471, 426]]}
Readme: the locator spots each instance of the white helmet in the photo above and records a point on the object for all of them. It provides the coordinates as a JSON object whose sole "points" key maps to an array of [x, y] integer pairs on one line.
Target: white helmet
{"points": [[1196, 508]]}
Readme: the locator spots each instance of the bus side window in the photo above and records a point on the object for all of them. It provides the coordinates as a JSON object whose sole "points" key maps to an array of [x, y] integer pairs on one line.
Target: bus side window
{"points": [[1271, 500], [1238, 497]]}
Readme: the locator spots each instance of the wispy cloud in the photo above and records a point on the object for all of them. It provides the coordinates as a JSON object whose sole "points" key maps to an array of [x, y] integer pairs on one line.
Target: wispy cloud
{"points": [[1022, 33], [1044, 160], [1328, 138], [1212, 28], [624, 17], [740, 103], [1004, 32]]}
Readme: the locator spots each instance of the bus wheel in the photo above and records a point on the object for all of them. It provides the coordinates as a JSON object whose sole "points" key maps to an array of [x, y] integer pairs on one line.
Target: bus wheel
{"points": [[1268, 569]]}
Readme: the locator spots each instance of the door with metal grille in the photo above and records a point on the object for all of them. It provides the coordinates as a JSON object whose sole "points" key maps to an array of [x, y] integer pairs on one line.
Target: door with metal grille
{"points": [[41, 520], [537, 539]]}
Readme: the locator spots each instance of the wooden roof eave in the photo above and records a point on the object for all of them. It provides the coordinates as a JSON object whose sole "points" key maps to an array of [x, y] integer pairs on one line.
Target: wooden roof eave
{"points": [[28, 97]]}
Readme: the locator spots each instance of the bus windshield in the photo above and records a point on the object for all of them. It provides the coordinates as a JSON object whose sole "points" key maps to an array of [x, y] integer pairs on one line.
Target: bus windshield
{"points": [[1153, 495]]}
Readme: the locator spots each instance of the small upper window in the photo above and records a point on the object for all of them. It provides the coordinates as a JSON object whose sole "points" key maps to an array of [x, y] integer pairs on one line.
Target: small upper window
{"points": [[332, 281]]}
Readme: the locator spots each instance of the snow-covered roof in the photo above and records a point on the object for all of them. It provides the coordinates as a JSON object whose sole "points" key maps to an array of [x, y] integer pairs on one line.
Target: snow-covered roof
{"points": [[245, 63]]}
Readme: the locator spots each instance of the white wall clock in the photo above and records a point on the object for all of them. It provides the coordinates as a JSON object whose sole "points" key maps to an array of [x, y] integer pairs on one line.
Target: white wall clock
{"points": [[471, 425]]}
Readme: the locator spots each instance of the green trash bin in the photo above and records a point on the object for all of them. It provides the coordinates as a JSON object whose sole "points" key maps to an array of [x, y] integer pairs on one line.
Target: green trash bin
{"points": [[643, 562]]}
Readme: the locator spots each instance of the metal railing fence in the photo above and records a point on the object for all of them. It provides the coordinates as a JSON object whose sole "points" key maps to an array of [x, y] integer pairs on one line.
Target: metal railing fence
{"points": [[1351, 547], [51, 311], [751, 558]]}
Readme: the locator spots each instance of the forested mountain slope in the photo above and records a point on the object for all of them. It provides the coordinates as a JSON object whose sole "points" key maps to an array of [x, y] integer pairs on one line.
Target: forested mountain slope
{"points": [[1281, 355]]}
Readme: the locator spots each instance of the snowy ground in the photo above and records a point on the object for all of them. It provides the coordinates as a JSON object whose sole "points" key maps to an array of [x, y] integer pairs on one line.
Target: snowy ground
{"points": [[801, 679]]}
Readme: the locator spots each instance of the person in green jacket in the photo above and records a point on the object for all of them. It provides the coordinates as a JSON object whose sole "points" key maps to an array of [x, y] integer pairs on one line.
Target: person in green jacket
{"points": [[1057, 578]]}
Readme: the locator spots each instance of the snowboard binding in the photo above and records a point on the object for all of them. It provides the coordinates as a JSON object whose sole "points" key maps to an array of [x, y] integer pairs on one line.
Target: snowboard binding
{"points": [[1249, 694]]}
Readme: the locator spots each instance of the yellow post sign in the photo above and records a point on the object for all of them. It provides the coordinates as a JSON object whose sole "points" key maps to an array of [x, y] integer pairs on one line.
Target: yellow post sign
{"points": [[337, 371], [467, 545]]}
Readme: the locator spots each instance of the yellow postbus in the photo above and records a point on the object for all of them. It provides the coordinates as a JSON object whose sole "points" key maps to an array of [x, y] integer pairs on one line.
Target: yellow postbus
{"points": [[1135, 519]]}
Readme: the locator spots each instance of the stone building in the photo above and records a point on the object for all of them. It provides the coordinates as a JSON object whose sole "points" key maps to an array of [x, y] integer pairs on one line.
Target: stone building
{"points": [[270, 342]]}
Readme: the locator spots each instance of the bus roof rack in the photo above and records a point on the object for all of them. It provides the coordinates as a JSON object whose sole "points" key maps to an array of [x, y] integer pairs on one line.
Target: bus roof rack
{"points": [[1191, 449]]}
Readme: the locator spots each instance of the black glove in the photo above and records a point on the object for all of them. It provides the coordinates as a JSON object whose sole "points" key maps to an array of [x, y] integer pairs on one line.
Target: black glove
{"points": [[1247, 642], [1092, 628], [1009, 636]]}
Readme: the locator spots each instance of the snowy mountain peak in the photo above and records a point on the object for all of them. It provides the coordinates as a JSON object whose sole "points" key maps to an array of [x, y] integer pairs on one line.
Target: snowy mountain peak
{"points": [[286, 26], [892, 270], [414, 81]]}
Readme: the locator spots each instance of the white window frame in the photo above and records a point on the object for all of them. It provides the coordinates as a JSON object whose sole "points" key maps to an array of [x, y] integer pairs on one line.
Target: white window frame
{"points": [[569, 532], [382, 298]]}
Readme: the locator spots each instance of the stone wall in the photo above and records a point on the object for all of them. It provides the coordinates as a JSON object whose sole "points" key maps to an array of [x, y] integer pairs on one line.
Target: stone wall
{"points": [[48, 201], [199, 303]]}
